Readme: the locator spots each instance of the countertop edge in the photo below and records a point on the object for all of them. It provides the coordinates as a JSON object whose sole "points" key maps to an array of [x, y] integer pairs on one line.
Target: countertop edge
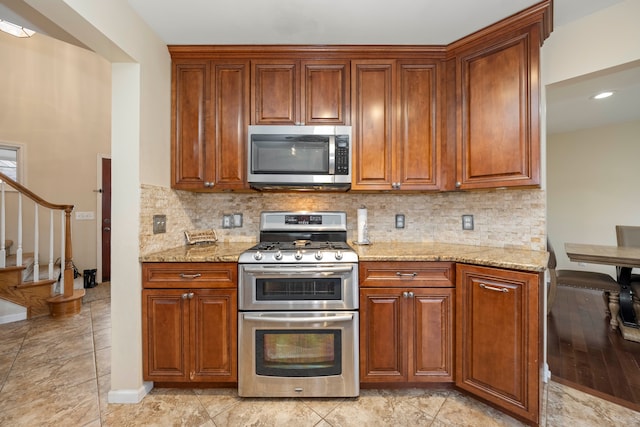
{"points": [[512, 259]]}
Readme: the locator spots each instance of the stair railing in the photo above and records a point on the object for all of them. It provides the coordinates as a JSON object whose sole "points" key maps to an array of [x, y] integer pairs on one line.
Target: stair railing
{"points": [[65, 227]]}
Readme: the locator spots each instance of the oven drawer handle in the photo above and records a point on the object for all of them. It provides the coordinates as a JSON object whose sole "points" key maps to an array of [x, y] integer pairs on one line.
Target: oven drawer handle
{"points": [[302, 270], [340, 318]]}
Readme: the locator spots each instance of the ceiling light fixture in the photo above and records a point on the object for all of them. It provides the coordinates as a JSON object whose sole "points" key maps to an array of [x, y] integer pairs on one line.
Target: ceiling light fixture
{"points": [[603, 95], [15, 30]]}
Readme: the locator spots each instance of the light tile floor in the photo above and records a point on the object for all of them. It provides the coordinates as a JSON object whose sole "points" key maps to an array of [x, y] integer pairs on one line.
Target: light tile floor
{"points": [[55, 372]]}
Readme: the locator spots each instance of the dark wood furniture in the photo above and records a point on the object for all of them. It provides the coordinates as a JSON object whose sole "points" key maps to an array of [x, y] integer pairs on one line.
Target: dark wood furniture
{"points": [[189, 322], [584, 280], [499, 331], [624, 257], [406, 322]]}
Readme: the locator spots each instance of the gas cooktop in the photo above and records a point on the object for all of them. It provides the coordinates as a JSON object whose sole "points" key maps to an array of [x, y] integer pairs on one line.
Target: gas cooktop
{"points": [[301, 237]]}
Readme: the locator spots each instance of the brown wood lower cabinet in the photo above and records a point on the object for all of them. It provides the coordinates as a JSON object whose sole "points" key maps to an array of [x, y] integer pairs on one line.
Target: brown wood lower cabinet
{"points": [[189, 322], [406, 322], [499, 338]]}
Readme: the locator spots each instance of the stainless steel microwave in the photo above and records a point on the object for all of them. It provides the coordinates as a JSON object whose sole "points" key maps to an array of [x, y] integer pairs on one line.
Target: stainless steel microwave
{"points": [[299, 157]]}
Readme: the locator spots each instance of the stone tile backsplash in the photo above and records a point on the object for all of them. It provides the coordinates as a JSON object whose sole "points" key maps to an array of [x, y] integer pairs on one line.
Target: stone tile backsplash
{"points": [[502, 218]]}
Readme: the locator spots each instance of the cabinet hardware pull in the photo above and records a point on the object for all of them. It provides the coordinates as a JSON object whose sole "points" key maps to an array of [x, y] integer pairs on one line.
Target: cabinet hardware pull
{"points": [[185, 295], [191, 295], [190, 276], [414, 274], [407, 294], [493, 288]]}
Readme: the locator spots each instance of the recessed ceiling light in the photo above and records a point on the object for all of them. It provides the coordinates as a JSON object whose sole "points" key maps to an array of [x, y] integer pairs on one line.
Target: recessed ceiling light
{"points": [[603, 95]]}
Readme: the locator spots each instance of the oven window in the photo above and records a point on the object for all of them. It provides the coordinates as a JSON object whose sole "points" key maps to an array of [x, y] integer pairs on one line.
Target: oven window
{"points": [[298, 353], [298, 289]]}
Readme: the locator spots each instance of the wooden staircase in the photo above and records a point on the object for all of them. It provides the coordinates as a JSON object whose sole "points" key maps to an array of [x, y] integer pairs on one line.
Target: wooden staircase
{"points": [[49, 293]]}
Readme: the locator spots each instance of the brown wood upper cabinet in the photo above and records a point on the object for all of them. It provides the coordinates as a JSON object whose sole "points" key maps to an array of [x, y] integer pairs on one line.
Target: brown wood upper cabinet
{"points": [[497, 97], [312, 92], [396, 124], [209, 125], [425, 118]]}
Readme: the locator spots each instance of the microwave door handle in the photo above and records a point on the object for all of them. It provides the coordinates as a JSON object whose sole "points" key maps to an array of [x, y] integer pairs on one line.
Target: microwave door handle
{"points": [[332, 155], [274, 319]]}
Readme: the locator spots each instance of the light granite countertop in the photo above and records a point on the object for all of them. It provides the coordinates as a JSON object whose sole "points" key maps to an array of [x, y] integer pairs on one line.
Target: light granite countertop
{"points": [[515, 259], [205, 252]]}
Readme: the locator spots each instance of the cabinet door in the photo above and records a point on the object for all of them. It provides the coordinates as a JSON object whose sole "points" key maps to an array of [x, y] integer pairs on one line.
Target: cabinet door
{"points": [[325, 95], [383, 325], [417, 150], [188, 136], [275, 94], [165, 329], [227, 125], [431, 345], [372, 116], [498, 337], [214, 335], [499, 125]]}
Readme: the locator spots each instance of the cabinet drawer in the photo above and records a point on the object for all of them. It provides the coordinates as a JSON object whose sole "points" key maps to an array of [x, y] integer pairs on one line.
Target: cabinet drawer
{"points": [[189, 275], [403, 274]]}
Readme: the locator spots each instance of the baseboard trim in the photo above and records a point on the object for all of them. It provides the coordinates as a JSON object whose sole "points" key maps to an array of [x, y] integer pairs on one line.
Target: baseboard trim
{"points": [[130, 396], [15, 317]]}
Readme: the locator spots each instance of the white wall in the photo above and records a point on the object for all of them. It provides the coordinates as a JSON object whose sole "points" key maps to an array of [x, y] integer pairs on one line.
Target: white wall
{"points": [[593, 178]]}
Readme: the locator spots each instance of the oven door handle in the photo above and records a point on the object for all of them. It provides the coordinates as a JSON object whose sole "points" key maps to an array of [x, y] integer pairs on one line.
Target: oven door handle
{"points": [[339, 318], [303, 270]]}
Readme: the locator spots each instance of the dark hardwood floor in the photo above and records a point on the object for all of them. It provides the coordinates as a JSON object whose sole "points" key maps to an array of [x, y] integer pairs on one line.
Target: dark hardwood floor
{"points": [[585, 353]]}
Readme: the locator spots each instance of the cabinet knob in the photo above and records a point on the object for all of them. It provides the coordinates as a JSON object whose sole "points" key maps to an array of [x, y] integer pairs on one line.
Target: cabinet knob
{"points": [[405, 294], [185, 295], [208, 184], [458, 184], [191, 295]]}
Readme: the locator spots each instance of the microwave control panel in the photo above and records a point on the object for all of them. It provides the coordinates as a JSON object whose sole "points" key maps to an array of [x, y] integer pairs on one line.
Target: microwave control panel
{"points": [[342, 155]]}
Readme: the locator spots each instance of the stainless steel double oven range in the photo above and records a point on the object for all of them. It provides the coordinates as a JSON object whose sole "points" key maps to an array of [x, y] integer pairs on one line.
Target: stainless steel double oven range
{"points": [[298, 308]]}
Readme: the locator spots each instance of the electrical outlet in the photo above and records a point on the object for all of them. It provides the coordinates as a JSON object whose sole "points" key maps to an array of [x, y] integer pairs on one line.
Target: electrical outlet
{"points": [[159, 224], [467, 222], [227, 221], [237, 220], [399, 220]]}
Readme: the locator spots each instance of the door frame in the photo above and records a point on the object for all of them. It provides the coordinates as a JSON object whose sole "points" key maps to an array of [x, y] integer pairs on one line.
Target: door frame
{"points": [[99, 214]]}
